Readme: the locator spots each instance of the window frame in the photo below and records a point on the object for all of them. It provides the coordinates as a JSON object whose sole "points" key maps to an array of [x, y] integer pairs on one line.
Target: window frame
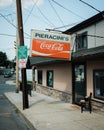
{"points": [[95, 96], [79, 41], [52, 78], [41, 77]]}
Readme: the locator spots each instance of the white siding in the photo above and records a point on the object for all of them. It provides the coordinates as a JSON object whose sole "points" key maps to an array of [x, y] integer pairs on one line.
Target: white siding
{"points": [[96, 29]]}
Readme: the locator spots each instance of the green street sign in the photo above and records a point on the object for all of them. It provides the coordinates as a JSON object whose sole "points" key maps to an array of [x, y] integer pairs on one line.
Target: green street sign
{"points": [[22, 52]]}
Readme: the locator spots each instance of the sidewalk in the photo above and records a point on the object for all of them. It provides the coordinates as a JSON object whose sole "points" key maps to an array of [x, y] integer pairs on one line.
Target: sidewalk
{"points": [[46, 113]]}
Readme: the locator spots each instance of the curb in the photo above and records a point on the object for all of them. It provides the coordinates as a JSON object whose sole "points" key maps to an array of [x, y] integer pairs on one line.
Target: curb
{"points": [[27, 122]]}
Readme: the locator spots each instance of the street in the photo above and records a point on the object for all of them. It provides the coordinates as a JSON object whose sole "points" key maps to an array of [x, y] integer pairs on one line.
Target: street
{"points": [[10, 119]]}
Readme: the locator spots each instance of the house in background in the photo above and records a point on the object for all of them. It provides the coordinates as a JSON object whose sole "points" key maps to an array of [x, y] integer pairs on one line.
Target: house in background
{"points": [[73, 80]]}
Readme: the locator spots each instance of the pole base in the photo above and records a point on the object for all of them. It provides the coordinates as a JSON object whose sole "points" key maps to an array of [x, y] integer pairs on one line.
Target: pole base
{"points": [[17, 91]]}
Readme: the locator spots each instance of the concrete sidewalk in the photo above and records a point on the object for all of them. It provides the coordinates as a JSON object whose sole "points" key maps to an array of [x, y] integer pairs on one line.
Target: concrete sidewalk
{"points": [[46, 113]]}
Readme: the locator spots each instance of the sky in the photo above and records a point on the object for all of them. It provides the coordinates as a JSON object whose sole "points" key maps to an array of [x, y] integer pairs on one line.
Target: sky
{"points": [[43, 15]]}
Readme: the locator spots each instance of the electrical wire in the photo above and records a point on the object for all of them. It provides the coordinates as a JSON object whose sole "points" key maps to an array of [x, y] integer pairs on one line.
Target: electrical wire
{"points": [[7, 35], [8, 20], [90, 6], [2, 34], [67, 9], [6, 15], [97, 36], [12, 23], [30, 11], [56, 13], [66, 26], [41, 20], [44, 16]]}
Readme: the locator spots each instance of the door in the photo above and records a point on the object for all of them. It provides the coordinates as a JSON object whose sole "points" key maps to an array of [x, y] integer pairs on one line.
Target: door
{"points": [[79, 83]]}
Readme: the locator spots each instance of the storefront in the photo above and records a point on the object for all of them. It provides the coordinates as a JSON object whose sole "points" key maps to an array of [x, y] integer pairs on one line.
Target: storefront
{"points": [[88, 76], [54, 77], [72, 80]]}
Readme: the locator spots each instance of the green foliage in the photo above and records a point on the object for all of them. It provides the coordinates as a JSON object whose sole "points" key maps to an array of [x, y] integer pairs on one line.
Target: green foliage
{"points": [[4, 61], [3, 58]]}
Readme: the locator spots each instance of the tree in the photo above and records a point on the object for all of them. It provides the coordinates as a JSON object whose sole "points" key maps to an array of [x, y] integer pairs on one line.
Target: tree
{"points": [[5, 62], [3, 58]]}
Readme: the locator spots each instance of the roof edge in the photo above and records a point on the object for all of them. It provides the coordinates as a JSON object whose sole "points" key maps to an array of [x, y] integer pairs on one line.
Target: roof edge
{"points": [[86, 23]]}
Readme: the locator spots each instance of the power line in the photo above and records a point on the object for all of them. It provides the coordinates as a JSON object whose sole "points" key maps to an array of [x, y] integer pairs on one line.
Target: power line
{"points": [[30, 11], [7, 35], [10, 35], [8, 20], [90, 35], [56, 13], [95, 36], [12, 23], [44, 15], [90, 6], [6, 15], [66, 26], [41, 20], [67, 9]]}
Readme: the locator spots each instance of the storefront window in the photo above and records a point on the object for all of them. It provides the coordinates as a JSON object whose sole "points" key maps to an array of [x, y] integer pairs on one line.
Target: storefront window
{"points": [[39, 76], [79, 83], [50, 78], [99, 84]]}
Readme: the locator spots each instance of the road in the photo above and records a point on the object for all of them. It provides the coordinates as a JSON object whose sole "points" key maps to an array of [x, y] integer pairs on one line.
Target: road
{"points": [[10, 119]]}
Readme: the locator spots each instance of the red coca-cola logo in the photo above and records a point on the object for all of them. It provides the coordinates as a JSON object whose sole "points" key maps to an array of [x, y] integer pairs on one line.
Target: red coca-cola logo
{"points": [[54, 46]]}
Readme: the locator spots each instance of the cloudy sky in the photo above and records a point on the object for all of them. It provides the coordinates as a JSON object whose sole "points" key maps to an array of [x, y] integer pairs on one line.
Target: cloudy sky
{"points": [[42, 15]]}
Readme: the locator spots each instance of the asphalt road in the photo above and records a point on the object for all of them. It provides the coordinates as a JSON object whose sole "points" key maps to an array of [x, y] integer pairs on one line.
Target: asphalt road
{"points": [[10, 119]]}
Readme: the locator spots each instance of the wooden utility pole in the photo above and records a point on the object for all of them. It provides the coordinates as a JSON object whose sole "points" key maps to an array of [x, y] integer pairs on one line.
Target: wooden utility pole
{"points": [[17, 90], [21, 40]]}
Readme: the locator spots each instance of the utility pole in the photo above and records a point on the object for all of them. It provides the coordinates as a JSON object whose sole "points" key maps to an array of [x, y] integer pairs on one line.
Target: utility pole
{"points": [[16, 43], [17, 90], [21, 40]]}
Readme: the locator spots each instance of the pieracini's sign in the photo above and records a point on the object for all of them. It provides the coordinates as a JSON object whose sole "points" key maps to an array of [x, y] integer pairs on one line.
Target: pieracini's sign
{"points": [[51, 36], [48, 44]]}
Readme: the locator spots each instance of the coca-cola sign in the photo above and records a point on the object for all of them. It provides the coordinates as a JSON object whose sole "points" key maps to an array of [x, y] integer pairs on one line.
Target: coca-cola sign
{"points": [[54, 46], [46, 45]]}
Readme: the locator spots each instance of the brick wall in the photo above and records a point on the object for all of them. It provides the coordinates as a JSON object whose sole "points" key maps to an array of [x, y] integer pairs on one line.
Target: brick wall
{"points": [[98, 106], [64, 96]]}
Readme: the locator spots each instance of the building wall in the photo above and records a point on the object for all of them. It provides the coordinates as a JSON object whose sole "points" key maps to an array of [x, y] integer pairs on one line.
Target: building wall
{"points": [[62, 76], [100, 32], [91, 65], [95, 38], [98, 105], [94, 30], [62, 87]]}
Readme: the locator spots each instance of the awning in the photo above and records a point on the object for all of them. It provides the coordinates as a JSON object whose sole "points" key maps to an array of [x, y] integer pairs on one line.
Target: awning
{"points": [[82, 55], [91, 53], [42, 60]]}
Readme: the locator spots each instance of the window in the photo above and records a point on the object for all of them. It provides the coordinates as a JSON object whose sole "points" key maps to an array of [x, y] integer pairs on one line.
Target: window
{"points": [[81, 41], [50, 78], [39, 76], [99, 84]]}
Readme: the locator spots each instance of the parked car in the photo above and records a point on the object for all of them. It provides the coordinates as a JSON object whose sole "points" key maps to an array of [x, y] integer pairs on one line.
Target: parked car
{"points": [[7, 74]]}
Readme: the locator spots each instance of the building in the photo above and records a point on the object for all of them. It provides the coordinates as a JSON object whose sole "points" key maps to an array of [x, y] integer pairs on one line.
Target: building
{"points": [[73, 80]]}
